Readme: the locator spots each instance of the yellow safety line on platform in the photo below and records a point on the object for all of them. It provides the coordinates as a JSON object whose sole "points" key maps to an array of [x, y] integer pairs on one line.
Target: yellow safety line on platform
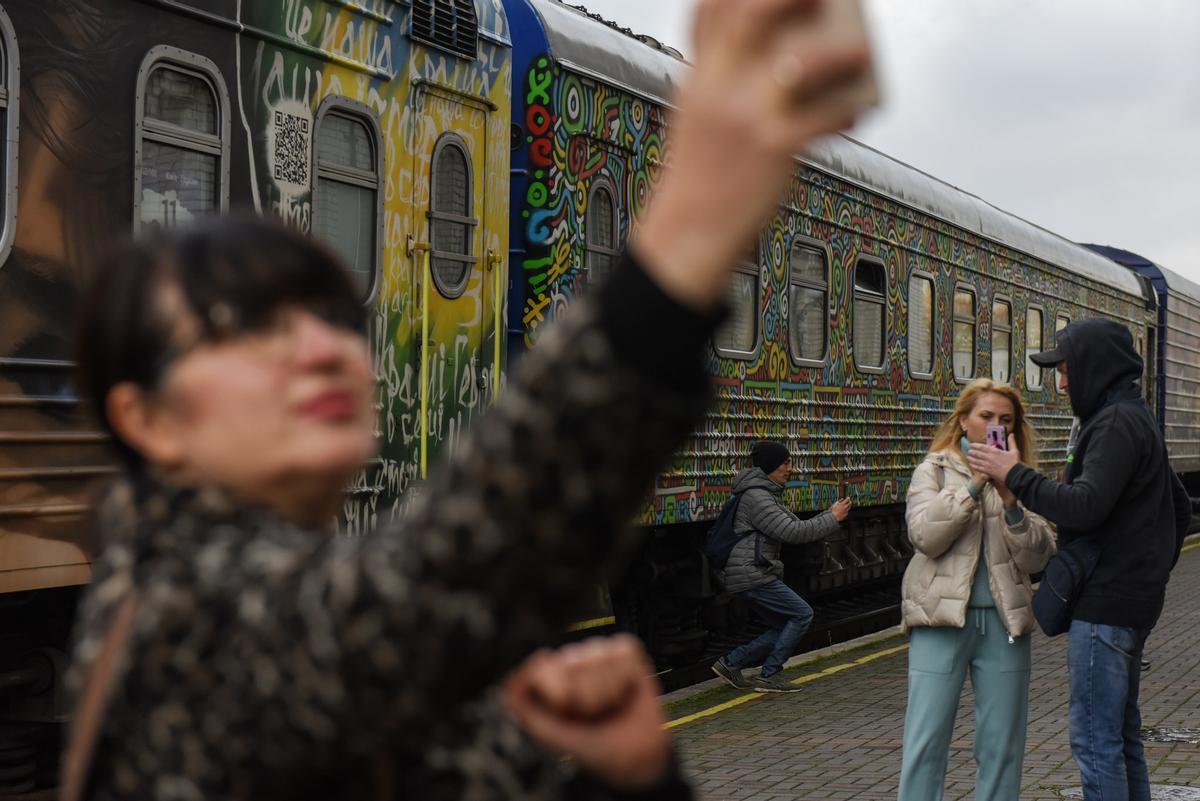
{"points": [[594, 623], [741, 699], [1191, 546]]}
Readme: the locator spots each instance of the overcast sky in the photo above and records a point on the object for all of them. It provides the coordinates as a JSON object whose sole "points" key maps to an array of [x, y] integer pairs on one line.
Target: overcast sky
{"points": [[1082, 116]]}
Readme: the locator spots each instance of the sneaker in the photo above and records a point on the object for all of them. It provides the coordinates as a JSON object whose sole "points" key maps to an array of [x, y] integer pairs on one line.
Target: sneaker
{"points": [[1145, 664], [774, 684], [733, 676]]}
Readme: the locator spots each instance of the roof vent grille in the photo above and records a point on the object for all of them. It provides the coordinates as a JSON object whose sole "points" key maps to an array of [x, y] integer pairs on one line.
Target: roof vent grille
{"points": [[449, 25]]}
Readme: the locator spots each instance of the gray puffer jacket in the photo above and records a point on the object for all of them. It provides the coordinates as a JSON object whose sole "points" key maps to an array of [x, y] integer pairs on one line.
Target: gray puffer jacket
{"points": [[761, 511]]}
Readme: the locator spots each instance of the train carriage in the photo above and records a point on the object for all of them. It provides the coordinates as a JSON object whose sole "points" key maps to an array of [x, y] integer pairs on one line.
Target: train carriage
{"points": [[1174, 390], [380, 127], [875, 293]]}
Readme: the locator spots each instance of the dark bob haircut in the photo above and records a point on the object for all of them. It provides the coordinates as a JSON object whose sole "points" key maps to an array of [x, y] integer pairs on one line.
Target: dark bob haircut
{"points": [[234, 274]]}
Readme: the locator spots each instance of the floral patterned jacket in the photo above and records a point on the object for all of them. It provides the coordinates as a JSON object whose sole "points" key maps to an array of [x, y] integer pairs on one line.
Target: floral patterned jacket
{"points": [[269, 661]]}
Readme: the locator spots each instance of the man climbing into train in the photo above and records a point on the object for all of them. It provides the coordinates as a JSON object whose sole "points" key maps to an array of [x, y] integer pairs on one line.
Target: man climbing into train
{"points": [[754, 570], [1121, 505]]}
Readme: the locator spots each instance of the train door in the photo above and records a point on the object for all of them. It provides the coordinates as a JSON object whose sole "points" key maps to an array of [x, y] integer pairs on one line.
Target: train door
{"points": [[451, 263]]}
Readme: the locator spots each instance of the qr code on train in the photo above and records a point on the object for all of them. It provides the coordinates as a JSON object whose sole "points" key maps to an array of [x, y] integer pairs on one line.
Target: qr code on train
{"points": [[291, 148]]}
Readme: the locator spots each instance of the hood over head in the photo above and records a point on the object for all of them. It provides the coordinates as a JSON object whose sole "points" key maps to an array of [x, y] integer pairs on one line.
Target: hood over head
{"points": [[1101, 358]]}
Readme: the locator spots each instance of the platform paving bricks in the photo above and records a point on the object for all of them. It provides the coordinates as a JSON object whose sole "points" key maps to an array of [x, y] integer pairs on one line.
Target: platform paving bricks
{"points": [[840, 737]]}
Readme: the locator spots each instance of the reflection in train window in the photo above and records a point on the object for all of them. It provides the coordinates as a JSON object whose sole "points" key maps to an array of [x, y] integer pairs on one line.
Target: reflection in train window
{"points": [[1033, 344], [9, 115], [738, 335], [1001, 341], [183, 139], [346, 198], [601, 232], [964, 334], [920, 326], [808, 301], [451, 226], [870, 314]]}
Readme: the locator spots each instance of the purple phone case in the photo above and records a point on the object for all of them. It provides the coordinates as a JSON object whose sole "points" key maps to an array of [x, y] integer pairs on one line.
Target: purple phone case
{"points": [[996, 435]]}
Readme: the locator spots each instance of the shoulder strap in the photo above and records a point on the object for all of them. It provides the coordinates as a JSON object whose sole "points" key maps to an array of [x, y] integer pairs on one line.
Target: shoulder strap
{"points": [[93, 702]]}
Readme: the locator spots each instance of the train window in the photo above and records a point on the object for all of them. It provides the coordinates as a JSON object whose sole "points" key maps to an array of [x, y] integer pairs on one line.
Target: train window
{"points": [[870, 314], [920, 325], [1001, 341], [601, 232], [451, 226], [1060, 322], [1033, 344], [9, 116], [738, 335], [346, 197], [964, 333], [182, 146], [808, 301]]}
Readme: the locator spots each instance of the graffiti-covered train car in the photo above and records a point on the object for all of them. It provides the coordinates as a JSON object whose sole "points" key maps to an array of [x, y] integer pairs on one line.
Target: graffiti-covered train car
{"points": [[379, 126], [873, 296]]}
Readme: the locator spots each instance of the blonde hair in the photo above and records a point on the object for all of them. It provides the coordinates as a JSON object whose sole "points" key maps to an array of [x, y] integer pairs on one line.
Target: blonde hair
{"points": [[950, 431]]}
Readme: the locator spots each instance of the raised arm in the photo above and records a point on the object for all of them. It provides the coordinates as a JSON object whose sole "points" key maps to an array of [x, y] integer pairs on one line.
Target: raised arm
{"points": [[1030, 540], [1089, 499], [776, 521], [936, 515]]}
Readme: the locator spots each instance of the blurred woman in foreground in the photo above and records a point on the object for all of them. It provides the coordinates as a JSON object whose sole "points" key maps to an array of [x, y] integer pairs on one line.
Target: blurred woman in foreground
{"points": [[269, 660]]}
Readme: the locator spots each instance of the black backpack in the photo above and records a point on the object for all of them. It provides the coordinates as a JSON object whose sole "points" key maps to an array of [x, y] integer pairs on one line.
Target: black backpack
{"points": [[721, 537]]}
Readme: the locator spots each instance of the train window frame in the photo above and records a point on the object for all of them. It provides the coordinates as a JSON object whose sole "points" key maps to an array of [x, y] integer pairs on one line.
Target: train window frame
{"points": [[1008, 329], [347, 108], [922, 275], [816, 245], [956, 320], [1041, 385], [10, 103], [1065, 320], [154, 130], [590, 247], [881, 302], [451, 139], [755, 270]]}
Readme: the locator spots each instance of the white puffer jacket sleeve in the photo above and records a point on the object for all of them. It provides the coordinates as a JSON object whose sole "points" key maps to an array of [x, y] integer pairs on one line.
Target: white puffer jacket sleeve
{"points": [[937, 515]]}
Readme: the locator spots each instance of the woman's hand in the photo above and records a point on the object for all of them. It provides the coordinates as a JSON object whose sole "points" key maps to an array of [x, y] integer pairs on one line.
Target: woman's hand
{"points": [[596, 702], [752, 102]]}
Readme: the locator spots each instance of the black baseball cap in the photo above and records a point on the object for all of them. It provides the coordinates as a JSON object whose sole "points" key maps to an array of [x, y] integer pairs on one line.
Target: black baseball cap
{"points": [[1049, 358]]}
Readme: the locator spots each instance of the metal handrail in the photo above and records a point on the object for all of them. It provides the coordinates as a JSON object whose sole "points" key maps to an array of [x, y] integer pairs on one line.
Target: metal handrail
{"points": [[424, 249], [495, 263]]}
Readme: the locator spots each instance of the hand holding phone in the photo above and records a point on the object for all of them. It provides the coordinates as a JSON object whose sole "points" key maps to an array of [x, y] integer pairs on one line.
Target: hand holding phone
{"points": [[997, 437]]}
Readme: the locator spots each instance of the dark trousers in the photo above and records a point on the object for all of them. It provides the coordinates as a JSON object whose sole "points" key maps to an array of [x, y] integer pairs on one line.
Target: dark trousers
{"points": [[789, 617]]}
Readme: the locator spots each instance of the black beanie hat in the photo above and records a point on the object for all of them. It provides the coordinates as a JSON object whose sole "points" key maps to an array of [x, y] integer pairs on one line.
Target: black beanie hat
{"points": [[768, 455]]}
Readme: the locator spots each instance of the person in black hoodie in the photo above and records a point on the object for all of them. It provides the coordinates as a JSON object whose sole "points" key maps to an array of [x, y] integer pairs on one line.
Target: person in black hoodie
{"points": [[1120, 491]]}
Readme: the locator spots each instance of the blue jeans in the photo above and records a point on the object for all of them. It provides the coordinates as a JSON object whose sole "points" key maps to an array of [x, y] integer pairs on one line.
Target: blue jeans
{"points": [[1105, 667], [789, 617]]}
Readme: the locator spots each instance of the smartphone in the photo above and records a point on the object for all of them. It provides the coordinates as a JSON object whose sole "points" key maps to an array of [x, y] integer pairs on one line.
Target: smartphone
{"points": [[840, 22], [997, 436]]}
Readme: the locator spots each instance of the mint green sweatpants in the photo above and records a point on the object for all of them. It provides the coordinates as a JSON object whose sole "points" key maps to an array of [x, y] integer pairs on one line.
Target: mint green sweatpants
{"points": [[938, 661]]}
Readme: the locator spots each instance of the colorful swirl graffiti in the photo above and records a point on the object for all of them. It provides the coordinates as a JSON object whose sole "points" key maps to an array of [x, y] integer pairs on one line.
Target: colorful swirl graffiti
{"points": [[578, 132]]}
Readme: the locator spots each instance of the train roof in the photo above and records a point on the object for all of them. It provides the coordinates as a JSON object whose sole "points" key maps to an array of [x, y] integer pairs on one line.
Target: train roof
{"points": [[589, 44], [867, 167], [1141, 264]]}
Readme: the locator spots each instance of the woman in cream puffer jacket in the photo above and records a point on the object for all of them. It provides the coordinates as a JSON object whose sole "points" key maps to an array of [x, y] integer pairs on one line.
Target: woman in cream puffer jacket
{"points": [[966, 601]]}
